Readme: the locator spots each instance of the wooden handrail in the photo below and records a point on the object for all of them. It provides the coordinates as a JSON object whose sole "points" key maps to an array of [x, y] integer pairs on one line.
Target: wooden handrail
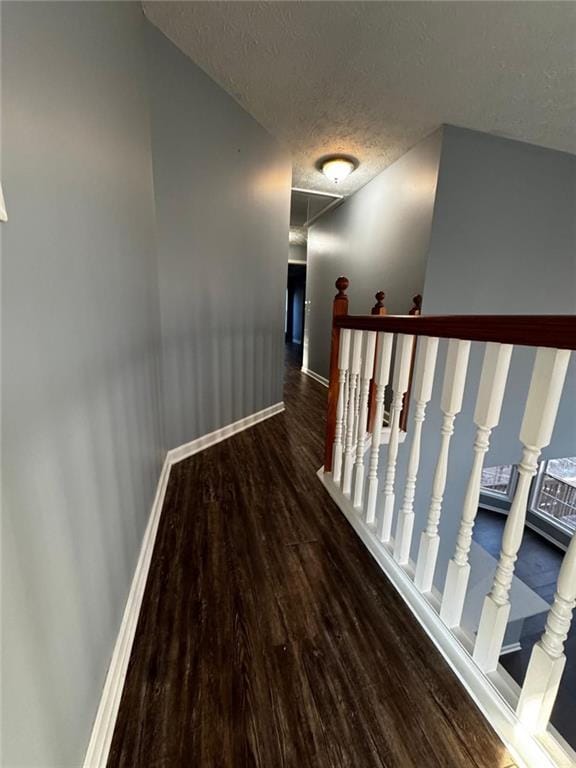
{"points": [[556, 331]]}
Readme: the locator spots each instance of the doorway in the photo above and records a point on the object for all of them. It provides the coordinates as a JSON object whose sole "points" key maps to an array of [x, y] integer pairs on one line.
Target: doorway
{"points": [[295, 303]]}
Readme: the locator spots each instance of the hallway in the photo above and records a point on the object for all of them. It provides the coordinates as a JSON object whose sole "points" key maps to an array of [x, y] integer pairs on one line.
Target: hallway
{"points": [[269, 637]]}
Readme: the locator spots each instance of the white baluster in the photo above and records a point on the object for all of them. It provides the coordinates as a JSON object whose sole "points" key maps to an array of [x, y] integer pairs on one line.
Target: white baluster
{"points": [[400, 380], [486, 416], [367, 371], [423, 381], [356, 408], [353, 372], [346, 383], [548, 660], [343, 362], [544, 395], [451, 404], [381, 374]]}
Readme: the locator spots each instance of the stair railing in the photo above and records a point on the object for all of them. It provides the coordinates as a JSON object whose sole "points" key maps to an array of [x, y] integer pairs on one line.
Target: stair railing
{"points": [[362, 348]]}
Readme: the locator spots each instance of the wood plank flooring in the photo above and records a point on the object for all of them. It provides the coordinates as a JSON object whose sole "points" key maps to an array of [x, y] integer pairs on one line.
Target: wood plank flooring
{"points": [[268, 636]]}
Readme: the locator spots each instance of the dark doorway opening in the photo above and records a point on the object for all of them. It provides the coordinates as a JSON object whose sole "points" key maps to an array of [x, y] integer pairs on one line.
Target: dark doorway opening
{"points": [[295, 298]]}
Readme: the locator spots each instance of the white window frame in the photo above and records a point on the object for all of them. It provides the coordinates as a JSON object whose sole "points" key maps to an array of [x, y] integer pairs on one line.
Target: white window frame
{"points": [[533, 502], [508, 494]]}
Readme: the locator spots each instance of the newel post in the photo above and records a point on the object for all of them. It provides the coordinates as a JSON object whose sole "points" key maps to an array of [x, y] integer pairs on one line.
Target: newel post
{"points": [[416, 305], [416, 310], [378, 309], [339, 307]]}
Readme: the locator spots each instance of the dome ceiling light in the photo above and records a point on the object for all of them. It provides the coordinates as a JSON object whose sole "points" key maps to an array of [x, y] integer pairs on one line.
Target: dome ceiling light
{"points": [[338, 168]]}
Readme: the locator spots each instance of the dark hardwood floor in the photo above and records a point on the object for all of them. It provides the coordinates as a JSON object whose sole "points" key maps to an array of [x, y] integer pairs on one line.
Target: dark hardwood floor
{"points": [[268, 636], [537, 566]]}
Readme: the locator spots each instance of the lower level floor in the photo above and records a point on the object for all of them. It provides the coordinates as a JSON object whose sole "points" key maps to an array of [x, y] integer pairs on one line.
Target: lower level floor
{"points": [[538, 567]]}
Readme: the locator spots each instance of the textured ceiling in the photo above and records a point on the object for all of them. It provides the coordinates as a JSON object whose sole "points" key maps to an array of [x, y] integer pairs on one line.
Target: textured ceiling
{"points": [[372, 79]]}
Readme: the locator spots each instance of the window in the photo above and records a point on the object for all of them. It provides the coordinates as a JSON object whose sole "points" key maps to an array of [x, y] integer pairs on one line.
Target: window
{"points": [[552, 503], [554, 495], [498, 480]]}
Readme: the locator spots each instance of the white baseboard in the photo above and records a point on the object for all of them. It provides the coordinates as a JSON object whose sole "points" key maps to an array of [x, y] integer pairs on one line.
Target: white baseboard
{"points": [[316, 376], [510, 648], [103, 728], [201, 443]]}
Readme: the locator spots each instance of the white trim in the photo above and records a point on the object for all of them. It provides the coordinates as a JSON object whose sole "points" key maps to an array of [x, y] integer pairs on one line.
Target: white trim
{"points": [[103, 728], [297, 261], [315, 376], [554, 522], [334, 200], [326, 209], [317, 192], [201, 443], [544, 535], [105, 721], [490, 508], [510, 648], [3, 214], [385, 436], [527, 750], [553, 739]]}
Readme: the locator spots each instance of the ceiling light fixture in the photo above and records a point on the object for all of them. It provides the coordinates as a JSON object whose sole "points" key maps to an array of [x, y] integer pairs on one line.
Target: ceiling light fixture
{"points": [[338, 168]]}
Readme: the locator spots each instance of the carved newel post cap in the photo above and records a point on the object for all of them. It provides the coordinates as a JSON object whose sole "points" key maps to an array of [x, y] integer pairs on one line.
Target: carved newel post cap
{"points": [[380, 296], [342, 284], [416, 305]]}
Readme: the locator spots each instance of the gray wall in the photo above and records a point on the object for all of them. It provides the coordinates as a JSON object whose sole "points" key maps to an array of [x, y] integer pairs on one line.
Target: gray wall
{"points": [[81, 438], [222, 205], [296, 252], [504, 231], [85, 426], [379, 239], [503, 241]]}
